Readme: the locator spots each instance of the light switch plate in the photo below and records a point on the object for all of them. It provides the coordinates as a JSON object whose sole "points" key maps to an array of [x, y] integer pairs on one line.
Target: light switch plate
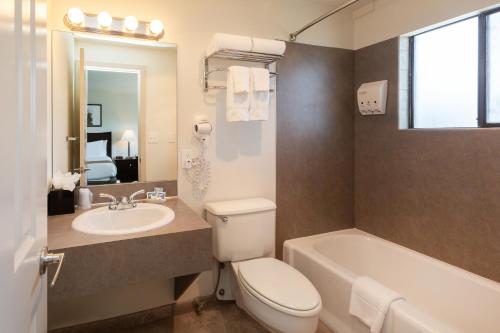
{"points": [[153, 137]]}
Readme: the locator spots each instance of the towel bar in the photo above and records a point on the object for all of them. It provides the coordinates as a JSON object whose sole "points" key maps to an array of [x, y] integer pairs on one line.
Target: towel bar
{"points": [[263, 58]]}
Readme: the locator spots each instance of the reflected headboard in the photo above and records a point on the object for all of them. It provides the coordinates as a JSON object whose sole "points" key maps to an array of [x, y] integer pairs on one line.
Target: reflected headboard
{"points": [[91, 137]]}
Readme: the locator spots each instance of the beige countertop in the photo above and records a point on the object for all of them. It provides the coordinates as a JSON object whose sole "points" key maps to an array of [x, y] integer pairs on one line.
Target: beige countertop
{"points": [[95, 262], [62, 236]]}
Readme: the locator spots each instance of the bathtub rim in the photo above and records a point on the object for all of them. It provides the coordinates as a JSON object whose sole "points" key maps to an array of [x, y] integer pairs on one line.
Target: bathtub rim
{"points": [[309, 242]]}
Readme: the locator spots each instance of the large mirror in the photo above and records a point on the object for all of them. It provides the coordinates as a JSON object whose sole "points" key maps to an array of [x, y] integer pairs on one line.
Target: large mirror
{"points": [[114, 109]]}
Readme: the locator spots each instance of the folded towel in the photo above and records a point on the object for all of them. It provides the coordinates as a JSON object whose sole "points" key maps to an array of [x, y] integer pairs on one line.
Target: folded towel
{"points": [[226, 41], [237, 104], [370, 302], [259, 94], [241, 79], [259, 78], [270, 46]]}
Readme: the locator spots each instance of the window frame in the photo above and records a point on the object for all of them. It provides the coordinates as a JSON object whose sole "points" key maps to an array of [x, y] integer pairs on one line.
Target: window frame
{"points": [[482, 71]]}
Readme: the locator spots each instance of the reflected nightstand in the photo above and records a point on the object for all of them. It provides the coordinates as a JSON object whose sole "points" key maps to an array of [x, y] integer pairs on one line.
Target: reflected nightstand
{"points": [[127, 169]]}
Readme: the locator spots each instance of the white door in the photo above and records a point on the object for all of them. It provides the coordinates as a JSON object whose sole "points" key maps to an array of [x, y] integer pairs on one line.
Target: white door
{"points": [[23, 170]]}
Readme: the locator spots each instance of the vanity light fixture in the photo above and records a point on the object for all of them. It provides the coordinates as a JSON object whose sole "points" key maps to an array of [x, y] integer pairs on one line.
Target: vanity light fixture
{"points": [[105, 24], [131, 23], [104, 19], [75, 16], [156, 27]]}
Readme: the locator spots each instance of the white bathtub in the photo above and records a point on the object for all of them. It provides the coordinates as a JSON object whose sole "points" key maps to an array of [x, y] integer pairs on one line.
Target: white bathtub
{"points": [[439, 297]]}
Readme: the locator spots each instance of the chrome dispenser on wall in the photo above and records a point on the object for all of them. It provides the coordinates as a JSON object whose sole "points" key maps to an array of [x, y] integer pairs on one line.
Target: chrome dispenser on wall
{"points": [[372, 98]]}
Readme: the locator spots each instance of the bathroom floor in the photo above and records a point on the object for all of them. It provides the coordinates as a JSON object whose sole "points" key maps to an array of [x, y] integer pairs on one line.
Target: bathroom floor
{"points": [[216, 318]]}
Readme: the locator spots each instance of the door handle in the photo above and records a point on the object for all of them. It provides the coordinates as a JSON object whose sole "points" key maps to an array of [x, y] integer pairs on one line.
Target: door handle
{"points": [[47, 259], [72, 138]]}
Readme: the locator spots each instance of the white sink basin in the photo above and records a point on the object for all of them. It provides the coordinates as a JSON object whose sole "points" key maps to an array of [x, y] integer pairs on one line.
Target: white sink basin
{"points": [[103, 221]]}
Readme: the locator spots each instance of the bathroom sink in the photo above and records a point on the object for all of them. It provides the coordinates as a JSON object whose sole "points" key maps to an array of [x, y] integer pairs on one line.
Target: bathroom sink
{"points": [[103, 221]]}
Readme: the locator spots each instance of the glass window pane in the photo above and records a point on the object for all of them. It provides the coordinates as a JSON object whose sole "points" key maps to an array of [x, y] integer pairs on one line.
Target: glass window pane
{"points": [[445, 81], [493, 76]]}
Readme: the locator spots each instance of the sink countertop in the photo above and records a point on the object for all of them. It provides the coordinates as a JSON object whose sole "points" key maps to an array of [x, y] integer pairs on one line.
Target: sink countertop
{"points": [[62, 236], [179, 249]]}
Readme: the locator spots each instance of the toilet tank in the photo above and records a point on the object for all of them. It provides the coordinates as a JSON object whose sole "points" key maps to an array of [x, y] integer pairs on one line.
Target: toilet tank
{"points": [[242, 229]]}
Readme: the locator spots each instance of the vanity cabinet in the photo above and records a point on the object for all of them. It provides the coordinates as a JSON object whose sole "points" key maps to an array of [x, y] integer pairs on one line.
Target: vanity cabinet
{"points": [[127, 169], [149, 269]]}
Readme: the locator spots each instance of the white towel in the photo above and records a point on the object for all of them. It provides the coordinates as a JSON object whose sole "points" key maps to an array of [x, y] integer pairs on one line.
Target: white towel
{"points": [[259, 78], [270, 46], [226, 41], [259, 94], [241, 79], [237, 104], [370, 302]]}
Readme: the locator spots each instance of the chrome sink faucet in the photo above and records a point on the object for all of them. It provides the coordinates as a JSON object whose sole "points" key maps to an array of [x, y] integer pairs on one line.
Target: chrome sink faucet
{"points": [[131, 199], [113, 204], [124, 203]]}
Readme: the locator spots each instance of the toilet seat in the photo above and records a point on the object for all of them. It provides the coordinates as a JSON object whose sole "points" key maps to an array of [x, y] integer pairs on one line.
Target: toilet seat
{"points": [[280, 286]]}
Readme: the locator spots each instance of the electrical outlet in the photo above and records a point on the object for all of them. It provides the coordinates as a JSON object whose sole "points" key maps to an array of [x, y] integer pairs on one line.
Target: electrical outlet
{"points": [[187, 158]]}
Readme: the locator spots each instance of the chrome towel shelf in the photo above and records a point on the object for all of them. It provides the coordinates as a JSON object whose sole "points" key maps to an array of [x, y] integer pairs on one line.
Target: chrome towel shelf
{"points": [[227, 54]]}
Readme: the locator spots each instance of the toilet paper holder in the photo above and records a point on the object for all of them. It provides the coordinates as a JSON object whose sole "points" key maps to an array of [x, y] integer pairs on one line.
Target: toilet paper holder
{"points": [[202, 130]]}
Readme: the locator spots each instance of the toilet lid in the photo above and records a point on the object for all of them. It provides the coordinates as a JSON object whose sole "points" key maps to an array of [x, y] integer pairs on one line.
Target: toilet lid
{"points": [[280, 283]]}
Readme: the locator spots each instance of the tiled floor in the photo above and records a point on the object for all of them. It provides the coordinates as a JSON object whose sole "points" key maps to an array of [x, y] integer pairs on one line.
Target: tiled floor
{"points": [[215, 318]]}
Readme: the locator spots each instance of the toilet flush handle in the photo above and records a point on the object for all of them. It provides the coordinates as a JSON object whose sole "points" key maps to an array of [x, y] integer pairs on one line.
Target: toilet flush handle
{"points": [[225, 219]]}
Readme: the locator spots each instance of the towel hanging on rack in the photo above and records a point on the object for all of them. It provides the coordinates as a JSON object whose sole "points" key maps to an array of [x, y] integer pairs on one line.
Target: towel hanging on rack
{"points": [[237, 103], [259, 93]]}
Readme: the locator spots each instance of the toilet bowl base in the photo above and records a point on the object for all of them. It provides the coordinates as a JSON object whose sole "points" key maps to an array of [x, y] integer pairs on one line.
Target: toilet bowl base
{"points": [[272, 319]]}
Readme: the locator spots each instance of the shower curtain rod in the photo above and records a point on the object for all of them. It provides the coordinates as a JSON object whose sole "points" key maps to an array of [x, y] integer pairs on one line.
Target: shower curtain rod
{"points": [[293, 35]]}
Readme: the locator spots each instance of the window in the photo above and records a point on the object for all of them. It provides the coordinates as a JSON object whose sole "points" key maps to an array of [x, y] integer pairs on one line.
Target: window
{"points": [[493, 70], [455, 74]]}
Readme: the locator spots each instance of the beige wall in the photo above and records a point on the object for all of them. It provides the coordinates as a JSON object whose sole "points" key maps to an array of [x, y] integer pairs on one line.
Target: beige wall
{"points": [[158, 75], [242, 156], [62, 106], [391, 18]]}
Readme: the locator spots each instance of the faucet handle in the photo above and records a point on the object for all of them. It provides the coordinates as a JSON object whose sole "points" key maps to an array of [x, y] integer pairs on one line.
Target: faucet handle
{"points": [[133, 195], [109, 196]]}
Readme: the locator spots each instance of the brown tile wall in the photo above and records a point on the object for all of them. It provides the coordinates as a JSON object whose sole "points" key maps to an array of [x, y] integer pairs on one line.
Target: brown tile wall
{"points": [[314, 142], [435, 191]]}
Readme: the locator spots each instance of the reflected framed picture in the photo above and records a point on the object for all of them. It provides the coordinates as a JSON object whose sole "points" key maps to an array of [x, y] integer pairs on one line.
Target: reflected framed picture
{"points": [[94, 115]]}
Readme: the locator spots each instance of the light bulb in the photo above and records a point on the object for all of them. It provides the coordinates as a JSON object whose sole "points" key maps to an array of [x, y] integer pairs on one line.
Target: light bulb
{"points": [[104, 19], [131, 23], [75, 16], [156, 27]]}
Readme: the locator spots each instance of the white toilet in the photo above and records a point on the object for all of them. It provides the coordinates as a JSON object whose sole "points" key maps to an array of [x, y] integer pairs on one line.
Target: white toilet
{"points": [[274, 293]]}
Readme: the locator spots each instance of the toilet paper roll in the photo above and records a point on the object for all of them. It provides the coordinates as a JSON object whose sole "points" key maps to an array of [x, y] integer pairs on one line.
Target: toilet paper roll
{"points": [[203, 128]]}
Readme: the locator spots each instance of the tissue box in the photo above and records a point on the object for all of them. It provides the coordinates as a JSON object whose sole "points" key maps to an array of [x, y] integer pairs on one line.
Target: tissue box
{"points": [[60, 202]]}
